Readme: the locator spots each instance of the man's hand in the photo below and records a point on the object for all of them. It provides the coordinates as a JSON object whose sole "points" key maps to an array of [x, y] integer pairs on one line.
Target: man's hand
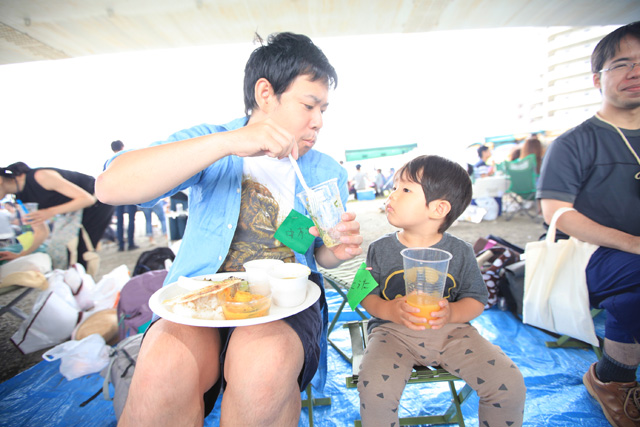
{"points": [[263, 138], [350, 242]]}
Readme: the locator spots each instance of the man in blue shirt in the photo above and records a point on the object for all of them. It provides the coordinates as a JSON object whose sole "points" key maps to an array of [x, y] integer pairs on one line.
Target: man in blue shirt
{"points": [[241, 188]]}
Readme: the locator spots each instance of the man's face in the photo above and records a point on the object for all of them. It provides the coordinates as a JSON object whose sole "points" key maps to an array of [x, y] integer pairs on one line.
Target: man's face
{"points": [[621, 90], [300, 110]]}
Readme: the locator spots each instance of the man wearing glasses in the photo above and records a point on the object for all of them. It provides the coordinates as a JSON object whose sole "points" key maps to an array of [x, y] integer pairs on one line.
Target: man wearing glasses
{"points": [[595, 169]]}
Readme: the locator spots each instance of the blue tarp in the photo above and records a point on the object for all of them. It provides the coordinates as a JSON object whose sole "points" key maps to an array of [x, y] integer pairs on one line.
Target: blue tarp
{"points": [[41, 396]]}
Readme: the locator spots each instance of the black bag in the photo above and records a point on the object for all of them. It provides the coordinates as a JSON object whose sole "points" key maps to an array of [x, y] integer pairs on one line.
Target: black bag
{"points": [[512, 289], [153, 260]]}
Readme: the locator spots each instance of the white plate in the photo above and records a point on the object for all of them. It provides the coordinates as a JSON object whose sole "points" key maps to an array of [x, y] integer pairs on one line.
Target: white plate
{"points": [[275, 313]]}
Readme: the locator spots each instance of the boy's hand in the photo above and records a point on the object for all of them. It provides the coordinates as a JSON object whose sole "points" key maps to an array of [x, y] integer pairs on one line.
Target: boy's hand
{"points": [[442, 316], [410, 319], [404, 314]]}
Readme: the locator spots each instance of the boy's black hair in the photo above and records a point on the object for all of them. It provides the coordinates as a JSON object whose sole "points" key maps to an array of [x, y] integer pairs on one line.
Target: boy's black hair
{"points": [[608, 46], [441, 179], [285, 57]]}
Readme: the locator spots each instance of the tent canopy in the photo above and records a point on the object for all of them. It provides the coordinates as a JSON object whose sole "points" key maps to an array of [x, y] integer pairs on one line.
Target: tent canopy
{"points": [[372, 153]]}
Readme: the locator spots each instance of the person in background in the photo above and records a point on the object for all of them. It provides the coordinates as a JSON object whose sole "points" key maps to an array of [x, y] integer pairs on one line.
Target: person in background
{"points": [[430, 193], [242, 187], [379, 182], [388, 180], [360, 180], [595, 169], [130, 210], [66, 199], [532, 145], [158, 209], [481, 168], [515, 153]]}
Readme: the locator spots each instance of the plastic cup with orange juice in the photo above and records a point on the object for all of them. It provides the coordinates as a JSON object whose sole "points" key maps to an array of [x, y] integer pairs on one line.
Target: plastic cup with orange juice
{"points": [[425, 275]]}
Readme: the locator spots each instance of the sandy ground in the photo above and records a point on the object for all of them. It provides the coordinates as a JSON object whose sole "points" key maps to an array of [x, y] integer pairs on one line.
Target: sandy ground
{"points": [[519, 230]]}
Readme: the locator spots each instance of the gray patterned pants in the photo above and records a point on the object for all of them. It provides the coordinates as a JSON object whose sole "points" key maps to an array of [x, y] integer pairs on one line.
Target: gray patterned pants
{"points": [[394, 350]]}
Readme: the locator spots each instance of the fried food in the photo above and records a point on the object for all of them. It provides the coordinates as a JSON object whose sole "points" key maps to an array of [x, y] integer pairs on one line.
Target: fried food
{"points": [[203, 303]]}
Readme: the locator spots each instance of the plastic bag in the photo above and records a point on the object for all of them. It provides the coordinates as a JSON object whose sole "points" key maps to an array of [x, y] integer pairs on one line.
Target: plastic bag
{"points": [[80, 358], [490, 205], [107, 290], [51, 322]]}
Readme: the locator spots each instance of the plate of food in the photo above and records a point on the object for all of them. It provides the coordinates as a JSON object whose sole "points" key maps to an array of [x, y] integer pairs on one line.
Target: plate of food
{"points": [[221, 300]]}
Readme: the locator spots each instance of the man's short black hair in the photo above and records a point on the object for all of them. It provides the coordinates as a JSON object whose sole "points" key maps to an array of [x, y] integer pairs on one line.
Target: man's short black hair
{"points": [[285, 57], [608, 46], [441, 179]]}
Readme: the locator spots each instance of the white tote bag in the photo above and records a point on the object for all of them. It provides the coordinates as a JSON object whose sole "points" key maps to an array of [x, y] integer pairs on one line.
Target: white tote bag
{"points": [[555, 285]]}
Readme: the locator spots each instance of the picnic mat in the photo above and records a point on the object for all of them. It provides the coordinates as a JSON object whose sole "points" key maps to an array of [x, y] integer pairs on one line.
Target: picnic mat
{"points": [[555, 393]]}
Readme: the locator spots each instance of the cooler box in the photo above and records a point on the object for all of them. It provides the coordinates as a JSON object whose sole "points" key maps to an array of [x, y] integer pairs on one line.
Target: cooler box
{"points": [[366, 195]]}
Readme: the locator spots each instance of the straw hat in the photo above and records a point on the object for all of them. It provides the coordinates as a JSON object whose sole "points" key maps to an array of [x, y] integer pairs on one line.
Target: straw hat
{"points": [[103, 322]]}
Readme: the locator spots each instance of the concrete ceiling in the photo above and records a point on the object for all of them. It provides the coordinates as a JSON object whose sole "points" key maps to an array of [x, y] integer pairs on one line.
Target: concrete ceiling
{"points": [[34, 30]]}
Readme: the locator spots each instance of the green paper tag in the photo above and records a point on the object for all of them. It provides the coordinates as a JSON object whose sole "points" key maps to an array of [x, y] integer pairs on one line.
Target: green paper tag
{"points": [[362, 285], [294, 232]]}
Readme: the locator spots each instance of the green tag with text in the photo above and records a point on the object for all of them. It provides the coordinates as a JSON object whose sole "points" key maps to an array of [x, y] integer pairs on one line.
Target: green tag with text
{"points": [[294, 232], [362, 285]]}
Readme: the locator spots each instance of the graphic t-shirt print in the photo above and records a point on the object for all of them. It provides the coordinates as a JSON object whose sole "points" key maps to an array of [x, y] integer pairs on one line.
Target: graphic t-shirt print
{"points": [[257, 223]]}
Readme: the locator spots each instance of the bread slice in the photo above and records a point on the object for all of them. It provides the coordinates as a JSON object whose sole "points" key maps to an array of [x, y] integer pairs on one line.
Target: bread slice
{"points": [[202, 303]]}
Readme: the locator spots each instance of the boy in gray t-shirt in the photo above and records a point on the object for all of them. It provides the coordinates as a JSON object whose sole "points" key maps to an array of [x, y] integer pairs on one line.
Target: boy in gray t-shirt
{"points": [[429, 193]]}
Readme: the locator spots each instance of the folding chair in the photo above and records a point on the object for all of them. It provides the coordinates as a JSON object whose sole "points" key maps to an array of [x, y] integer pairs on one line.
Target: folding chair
{"points": [[521, 194], [10, 307], [341, 279], [565, 341], [420, 374], [309, 402]]}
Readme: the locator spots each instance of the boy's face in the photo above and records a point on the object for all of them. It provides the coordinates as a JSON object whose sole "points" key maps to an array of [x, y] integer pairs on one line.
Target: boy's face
{"points": [[406, 207], [300, 110]]}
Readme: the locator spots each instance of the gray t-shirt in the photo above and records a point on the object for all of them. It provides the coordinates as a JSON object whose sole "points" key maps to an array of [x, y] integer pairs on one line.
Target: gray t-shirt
{"points": [[591, 167], [464, 279]]}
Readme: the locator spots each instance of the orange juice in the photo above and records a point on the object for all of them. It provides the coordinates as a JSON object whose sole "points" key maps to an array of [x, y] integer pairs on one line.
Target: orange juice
{"points": [[426, 303]]}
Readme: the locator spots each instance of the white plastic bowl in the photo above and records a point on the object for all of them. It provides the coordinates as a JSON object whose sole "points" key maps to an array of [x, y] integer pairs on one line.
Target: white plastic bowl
{"points": [[257, 277], [289, 284]]}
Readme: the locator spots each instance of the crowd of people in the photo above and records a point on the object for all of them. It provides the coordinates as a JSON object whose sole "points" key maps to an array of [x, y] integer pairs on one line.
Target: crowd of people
{"points": [[236, 169], [379, 182]]}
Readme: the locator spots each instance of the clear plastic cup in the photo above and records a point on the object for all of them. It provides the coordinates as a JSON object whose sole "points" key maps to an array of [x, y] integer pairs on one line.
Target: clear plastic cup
{"points": [[31, 206], [325, 210], [425, 275]]}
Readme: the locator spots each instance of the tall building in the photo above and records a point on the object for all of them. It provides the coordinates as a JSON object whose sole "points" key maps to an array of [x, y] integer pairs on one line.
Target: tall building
{"points": [[566, 95]]}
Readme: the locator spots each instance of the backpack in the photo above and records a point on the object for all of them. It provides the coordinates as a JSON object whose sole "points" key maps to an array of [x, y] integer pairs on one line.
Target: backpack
{"points": [[119, 372], [153, 260], [134, 314]]}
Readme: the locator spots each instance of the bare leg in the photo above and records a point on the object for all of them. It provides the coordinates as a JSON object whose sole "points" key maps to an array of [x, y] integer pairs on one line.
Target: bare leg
{"points": [[176, 366], [262, 366]]}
